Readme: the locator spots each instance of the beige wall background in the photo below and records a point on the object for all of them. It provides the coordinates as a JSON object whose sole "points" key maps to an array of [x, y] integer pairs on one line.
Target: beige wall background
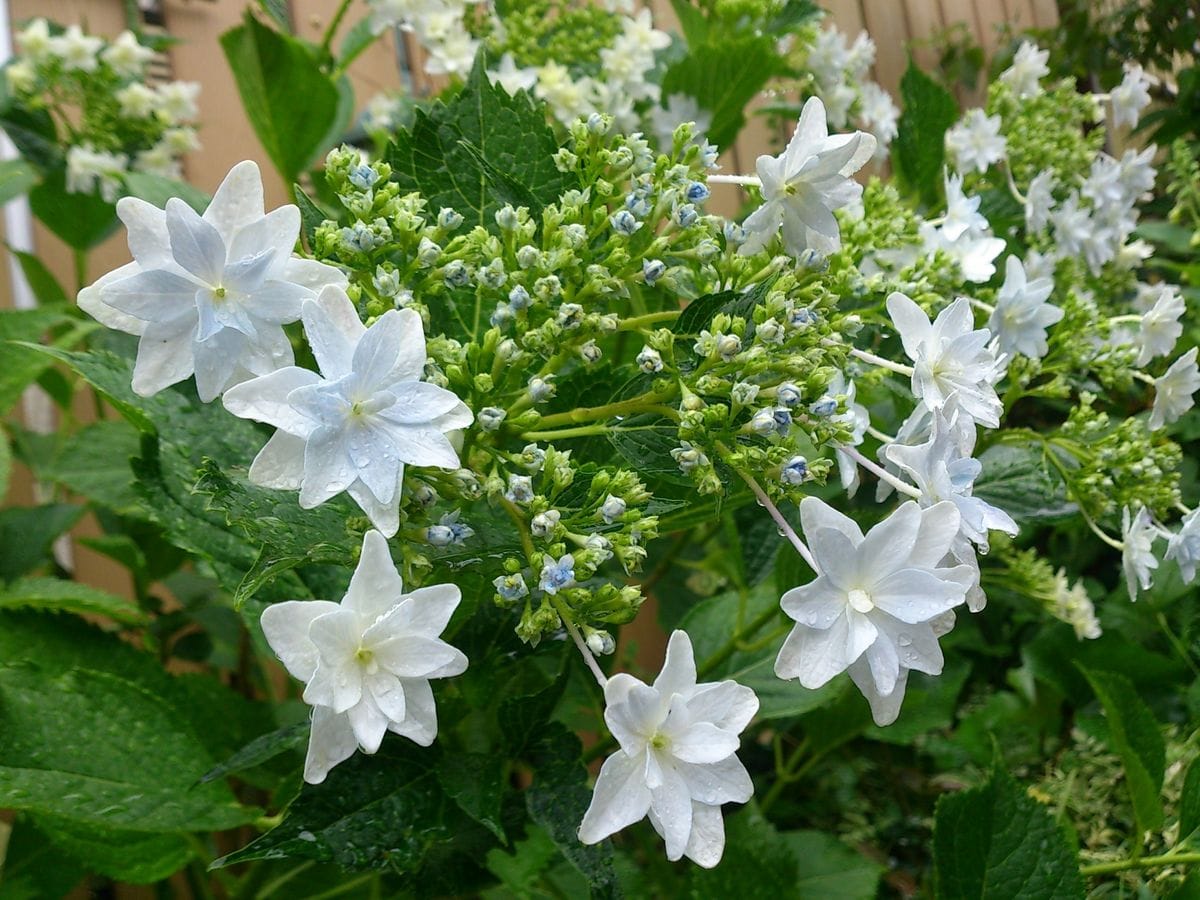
{"points": [[896, 25]]}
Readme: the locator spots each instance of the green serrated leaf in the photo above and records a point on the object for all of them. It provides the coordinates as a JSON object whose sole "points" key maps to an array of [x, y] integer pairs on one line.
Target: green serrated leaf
{"points": [[26, 534], [134, 857], [1137, 738], [723, 75], [995, 841], [22, 364], [94, 463], [59, 595], [919, 152], [271, 71], [475, 781], [156, 190], [1019, 481], [312, 214]]}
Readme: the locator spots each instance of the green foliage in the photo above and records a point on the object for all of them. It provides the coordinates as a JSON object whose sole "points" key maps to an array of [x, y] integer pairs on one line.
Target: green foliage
{"points": [[478, 151], [23, 365], [723, 75], [996, 841], [81, 221], [27, 533], [16, 178], [919, 149], [1136, 736], [1018, 480], [272, 70], [58, 595]]}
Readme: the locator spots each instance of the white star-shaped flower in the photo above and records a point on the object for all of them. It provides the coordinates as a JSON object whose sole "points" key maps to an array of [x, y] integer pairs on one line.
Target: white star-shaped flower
{"points": [[354, 426], [1138, 532], [1161, 327], [975, 142], [951, 358], [76, 50], [511, 77], [1039, 200], [872, 608], [126, 55], [803, 185], [1131, 96], [677, 761], [366, 662], [962, 212], [1173, 390], [1184, 545], [208, 295], [1027, 69], [1021, 314]]}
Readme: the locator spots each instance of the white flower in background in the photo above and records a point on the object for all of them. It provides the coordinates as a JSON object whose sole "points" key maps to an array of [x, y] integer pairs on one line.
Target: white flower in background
{"points": [[511, 77], [126, 56], [403, 14], [679, 108], [828, 57], [77, 51], [951, 358], [181, 139], [1138, 532], [872, 608], [1072, 605], [354, 426], [856, 419], [1184, 546], [879, 115], [1039, 200], [95, 171], [208, 295], [366, 662], [136, 101], [1073, 226], [1160, 326], [639, 36], [803, 185], [1131, 96], [677, 761], [159, 160], [975, 142], [962, 212], [1039, 265], [1173, 390], [34, 40], [452, 56], [568, 99], [20, 76], [1027, 69], [1021, 314], [177, 101]]}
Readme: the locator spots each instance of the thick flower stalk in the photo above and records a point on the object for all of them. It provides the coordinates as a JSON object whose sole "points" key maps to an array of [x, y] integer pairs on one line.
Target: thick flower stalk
{"points": [[367, 661]]}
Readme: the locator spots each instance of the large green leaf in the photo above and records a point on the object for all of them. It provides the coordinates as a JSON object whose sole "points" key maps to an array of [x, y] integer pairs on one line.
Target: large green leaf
{"points": [[1137, 738], [156, 190], [135, 857], [293, 106], [45, 286], [455, 150], [16, 178], [723, 75], [27, 533], [919, 149], [23, 365], [995, 841], [59, 595], [81, 220], [1020, 482], [98, 749]]}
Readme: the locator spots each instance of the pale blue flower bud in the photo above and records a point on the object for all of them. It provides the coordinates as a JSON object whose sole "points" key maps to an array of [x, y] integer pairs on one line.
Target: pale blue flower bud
{"points": [[518, 297], [697, 192], [788, 394], [613, 509], [650, 360], [652, 270], [794, 471], [557, 576], [520, 489], [624, 222], [490, 418], [449, 218], [511, 587]]}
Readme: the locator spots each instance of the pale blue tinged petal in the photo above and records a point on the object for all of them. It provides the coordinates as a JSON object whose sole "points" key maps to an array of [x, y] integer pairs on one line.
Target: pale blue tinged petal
{"points": [[311, 275], [883, 660], [911, 322], [275, 233], [154, 296], [146, 229], [330, 742], [816, 604], [388, 693], [916, 646], [374, 456], [164, 356], [423, 447], [375, 587], [939, 526], [377, 352], [384, 516], [265, 399], [238, 200], [838, 560], [92, 300], [333, 328], [285, 626], [280, 463], [216, 359], [619, 799], [889, 544], [276, 302], [427, 611], [247, 274], [916, 595], [421, 403], [703, 743], [816, 514], [195, 244], [327, 467], [725, 704]]}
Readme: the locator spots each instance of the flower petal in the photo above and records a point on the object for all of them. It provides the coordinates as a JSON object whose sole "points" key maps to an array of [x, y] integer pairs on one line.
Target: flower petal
{"points": [[277, 231], [427, 611], [706, 843], [678, 675], [672, 806], [153, 296], [384, 516], [375, 587], [330, 742], [726, 704], [337, 683], [369, 723], [333, 328], [420, 403], [264, 399], [816, 657], [164, 356], [286, 625], [420, 720], [726, 781], [280, 463], [195, 244], [146, 229], [916, 595], [702, 743], [327, 467], [911, 322], [619, 799], [238, 200]]}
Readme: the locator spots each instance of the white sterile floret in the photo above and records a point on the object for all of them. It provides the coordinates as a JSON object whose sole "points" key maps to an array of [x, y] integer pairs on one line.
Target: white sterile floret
{"points": [[1161, 327], [678, 759], [34, 40], [208, 295], [880, 116], [975, 142], [856, 418], [962, 212], [354, 426], [1138, 532], [366, 662], [1173, 390], [1184, 546], [1131, 96], [1039, 201], [951, 358], [1021, 314], [77, 51], [876, 606], [804, 185], [126, 55], [1027, 69]]}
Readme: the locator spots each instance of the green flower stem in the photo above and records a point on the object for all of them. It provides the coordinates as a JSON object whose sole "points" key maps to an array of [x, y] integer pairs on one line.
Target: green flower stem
{"points": [[735, 642], [522, 530], [334, 24], [564, 613], [562, 433], [642, 403], [874, 360], [638, 322], [784, 525], [1144, 862]]}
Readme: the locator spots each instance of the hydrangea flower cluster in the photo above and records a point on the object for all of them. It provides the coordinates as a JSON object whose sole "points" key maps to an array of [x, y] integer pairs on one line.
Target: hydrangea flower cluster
{"points": [[96, 93]]}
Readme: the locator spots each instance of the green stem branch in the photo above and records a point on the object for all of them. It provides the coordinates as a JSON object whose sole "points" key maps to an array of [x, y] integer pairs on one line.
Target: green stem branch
{"points": [[1144, 862]]}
